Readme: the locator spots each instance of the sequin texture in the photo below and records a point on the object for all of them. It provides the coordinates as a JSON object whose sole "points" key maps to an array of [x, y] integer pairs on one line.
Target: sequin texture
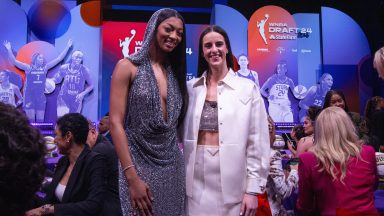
{"points": [[152, 139]]}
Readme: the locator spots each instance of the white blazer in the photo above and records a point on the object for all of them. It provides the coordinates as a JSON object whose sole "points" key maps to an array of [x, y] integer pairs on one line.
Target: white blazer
{"points": [[243, 135]]}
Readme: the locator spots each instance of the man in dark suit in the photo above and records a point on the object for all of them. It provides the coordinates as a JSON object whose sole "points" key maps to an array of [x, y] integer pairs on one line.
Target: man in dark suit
{"points": [[102, 145], [104, 127]]}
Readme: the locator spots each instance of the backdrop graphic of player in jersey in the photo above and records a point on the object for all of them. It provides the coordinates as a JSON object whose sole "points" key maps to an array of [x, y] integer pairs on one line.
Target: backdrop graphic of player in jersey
{"points": [[76, 77], [34, 84], [245, 72], [9, 92], [126, 42], [276, 89], [315, 95]]}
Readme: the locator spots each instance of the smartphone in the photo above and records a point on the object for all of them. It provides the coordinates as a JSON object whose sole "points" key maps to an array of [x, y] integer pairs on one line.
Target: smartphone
{"points": [[287, 137]]}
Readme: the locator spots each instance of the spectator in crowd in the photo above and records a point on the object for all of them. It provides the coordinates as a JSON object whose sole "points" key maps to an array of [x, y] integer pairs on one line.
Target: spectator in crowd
{"points": [[378, 62], [104, 127], [297, 133], [101, 144], [279, 186], [307, 142], [79, 182], [22, 162], [373, 105], [338, 176], [337, 98], [374, 113]]}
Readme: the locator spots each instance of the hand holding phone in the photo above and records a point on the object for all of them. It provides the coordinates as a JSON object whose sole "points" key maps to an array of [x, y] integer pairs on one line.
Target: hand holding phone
{"points": [[288, 139]]}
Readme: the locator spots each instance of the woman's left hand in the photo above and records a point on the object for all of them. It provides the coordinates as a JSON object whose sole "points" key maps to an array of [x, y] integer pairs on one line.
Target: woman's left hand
{"points": [[249, 205]]}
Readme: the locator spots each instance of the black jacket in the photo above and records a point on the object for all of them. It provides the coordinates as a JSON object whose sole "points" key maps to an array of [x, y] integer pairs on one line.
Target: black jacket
{"points": [[112, 201], [85, 190]]}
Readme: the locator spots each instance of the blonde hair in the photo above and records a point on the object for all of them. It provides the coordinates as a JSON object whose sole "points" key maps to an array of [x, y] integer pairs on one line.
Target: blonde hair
{"points": [[378, 62], [335, 141]]}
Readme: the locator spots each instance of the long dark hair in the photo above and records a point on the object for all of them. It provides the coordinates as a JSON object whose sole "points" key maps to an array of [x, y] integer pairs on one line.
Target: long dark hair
{"points": [[177, 59], [371, 105], [328, 96], [202, 63]]}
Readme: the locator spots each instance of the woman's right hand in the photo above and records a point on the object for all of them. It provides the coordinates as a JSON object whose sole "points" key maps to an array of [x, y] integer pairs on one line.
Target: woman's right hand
{"points": [[141, 196]]}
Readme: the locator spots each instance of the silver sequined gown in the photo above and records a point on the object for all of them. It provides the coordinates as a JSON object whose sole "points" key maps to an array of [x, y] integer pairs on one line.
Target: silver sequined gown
{"points": [[152, 142], [152, 139]]}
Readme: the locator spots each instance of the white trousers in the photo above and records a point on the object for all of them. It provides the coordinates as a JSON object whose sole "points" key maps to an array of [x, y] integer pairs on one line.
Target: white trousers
{"points": [[207, 197]]}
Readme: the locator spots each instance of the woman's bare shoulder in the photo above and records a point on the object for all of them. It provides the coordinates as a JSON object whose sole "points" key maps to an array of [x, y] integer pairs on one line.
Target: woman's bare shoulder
{"points": [[125, 68]]}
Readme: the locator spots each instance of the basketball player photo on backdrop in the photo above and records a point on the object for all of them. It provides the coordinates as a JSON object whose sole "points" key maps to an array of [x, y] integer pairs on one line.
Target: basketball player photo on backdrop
{"points": [[76, 85], [245, 72], [35, 76], [315, 95], [9, 92], [276, 89]]}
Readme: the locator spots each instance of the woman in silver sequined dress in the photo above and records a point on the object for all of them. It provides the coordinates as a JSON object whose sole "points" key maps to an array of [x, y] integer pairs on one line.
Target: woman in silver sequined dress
{"points": [[148, 99]]}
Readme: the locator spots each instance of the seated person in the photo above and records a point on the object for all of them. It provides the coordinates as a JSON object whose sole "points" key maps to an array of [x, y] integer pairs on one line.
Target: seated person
{"points": [[22, 164], [337, 98], [78, 185], [338, 175], [297, 133], [104, 127], [307, 142], [101, 144], [279, 186]]}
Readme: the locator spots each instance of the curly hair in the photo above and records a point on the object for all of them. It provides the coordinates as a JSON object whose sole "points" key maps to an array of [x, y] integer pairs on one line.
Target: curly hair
{"points": [[22, 162]]}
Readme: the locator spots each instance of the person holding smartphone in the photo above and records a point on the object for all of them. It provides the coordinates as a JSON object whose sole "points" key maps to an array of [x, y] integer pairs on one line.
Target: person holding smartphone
{"points": [[307, 142], [297, 133], [279, 186]]}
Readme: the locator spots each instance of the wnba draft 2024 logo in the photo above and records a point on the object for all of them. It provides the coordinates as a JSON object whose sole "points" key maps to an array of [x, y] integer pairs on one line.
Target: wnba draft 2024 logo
{"points": [[278, 28]]}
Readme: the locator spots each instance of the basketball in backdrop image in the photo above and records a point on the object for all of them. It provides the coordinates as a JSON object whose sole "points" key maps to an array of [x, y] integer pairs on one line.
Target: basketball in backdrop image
{"points": [[49, 86], [300, 91]]}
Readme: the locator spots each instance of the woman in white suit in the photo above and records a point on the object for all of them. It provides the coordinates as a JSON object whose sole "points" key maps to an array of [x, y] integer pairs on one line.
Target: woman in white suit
{"points": [[226, 141]]}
